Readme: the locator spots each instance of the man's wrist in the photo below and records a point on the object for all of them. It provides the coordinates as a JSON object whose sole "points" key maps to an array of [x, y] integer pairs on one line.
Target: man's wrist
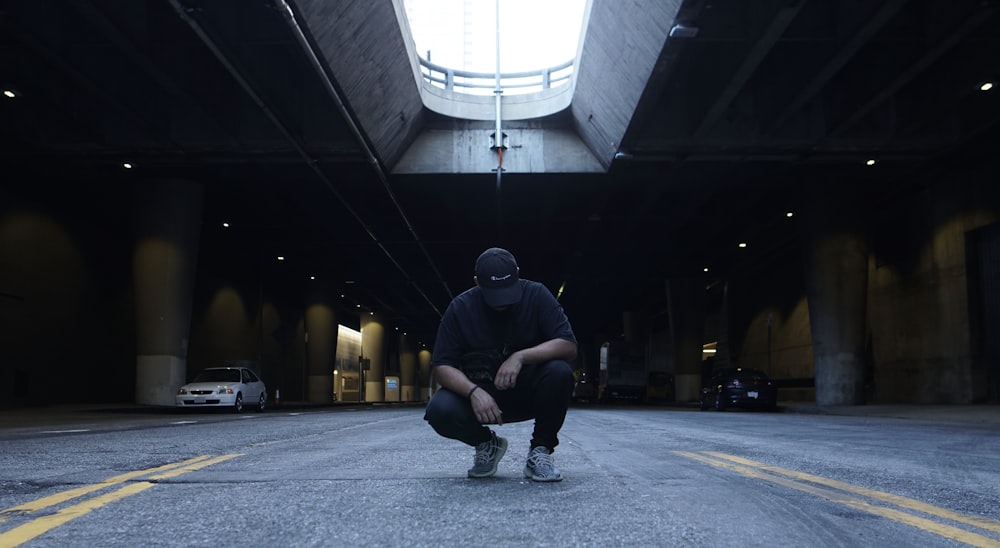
{"points": [[471, 390]]}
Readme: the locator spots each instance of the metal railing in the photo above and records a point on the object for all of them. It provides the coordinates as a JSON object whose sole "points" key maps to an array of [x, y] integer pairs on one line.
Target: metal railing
{"points": [[484, 83]]}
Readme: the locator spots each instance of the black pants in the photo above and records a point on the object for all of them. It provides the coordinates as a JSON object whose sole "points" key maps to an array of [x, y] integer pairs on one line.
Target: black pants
{"points": [[542, 392]]}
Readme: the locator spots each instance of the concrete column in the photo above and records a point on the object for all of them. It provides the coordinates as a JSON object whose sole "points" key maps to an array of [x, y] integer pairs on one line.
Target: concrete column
{"points": [[686, 308], [407, 369], [424, 361], [167, 226], [373, 348], [321, 348], [630, 328], [835, 253]]}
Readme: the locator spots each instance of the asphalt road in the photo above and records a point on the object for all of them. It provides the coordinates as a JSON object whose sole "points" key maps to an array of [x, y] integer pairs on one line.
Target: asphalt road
{"points": [[634, 476]]}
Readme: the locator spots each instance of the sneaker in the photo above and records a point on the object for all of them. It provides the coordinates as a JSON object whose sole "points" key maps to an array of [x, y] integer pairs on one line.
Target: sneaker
{"points": [[488, 455], [541, 466]]}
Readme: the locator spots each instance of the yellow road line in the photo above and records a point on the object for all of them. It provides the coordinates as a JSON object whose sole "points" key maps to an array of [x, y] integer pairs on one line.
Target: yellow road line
{"points": [[39, 526], [902, 502], [946, 531], [59, 498]]}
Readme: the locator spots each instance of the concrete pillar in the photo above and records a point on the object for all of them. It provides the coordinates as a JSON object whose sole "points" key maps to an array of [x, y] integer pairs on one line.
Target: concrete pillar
{"points": [[321, 348], [686, 308], [407, 369], [424, 361], [373, 348], [835, 254], [630, 328], [167, 227]]}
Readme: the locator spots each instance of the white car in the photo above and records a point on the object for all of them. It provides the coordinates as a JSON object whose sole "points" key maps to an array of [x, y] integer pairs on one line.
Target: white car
{"points": [[223, 387]]}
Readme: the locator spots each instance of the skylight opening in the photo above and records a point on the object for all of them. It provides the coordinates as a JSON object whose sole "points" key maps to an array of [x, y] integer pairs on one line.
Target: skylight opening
{"points": [[461, 36]]}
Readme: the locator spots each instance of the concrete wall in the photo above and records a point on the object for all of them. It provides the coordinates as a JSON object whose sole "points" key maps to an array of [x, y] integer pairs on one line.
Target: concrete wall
{"points": [[919, 299], [918, 316], [465, 148], [66, 306]]}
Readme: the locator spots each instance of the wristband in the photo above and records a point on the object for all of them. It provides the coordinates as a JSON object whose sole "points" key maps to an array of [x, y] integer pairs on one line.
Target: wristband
{"points": [[469, 395]]}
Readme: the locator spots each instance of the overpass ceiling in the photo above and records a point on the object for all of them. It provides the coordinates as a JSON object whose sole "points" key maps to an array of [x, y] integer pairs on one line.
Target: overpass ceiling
{"points": [[733, 127]]}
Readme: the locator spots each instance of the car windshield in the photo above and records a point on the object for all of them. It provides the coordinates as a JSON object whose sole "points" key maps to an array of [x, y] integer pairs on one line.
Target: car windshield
{"points": [[218, 375]]}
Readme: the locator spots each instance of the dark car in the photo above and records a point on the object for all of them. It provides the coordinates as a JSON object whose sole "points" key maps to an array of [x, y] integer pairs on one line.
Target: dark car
{"points": [[740, 387]]}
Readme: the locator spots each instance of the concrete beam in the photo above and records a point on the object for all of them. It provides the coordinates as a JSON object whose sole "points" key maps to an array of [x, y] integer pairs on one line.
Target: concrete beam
{"points": [[622, 45], [367, 46]]}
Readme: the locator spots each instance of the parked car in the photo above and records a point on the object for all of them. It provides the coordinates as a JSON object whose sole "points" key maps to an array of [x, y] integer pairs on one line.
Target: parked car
{"points": [[223, 387], [739, 387]]}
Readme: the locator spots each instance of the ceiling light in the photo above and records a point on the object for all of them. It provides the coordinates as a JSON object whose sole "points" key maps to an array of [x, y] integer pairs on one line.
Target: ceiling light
{"points": [[281, 257], [789, 214], [225, 225], [986, 86], [683, 31], [743, 244], [312, 277], [126, 165], [870, 162], [705, 269], [9, 93]]}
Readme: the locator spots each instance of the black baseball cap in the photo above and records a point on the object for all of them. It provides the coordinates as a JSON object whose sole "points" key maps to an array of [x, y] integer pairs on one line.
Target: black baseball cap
{"points": [[497, 276]]}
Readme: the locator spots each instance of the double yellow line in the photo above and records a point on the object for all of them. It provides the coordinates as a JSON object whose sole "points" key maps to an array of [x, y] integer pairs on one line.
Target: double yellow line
{"points": [[848, 495], [38, 526]]}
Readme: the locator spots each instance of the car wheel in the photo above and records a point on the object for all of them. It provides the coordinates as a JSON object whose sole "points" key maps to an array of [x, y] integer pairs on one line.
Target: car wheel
{"points": [[262, 402], [238, 405]]}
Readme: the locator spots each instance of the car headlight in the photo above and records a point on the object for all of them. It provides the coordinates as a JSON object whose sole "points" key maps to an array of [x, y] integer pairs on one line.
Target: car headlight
{"points": [[182, 391], [225, 390]]}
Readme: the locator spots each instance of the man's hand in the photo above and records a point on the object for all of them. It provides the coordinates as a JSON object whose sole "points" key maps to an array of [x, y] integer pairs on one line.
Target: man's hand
{"points": [[506, 376], [485, 408]]}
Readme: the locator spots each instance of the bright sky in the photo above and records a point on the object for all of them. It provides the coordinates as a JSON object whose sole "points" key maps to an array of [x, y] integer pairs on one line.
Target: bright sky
{"points": [[461, 34]]}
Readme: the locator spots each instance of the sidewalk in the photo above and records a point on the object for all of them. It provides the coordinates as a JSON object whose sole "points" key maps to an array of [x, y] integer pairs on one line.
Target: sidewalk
{"points": [[987, 414]]}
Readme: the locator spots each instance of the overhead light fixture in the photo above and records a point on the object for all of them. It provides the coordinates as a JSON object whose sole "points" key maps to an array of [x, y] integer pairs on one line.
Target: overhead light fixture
{"points": [[126, 165], [789, 214], [870, 162], [986, 86], [281, 257], [683, 31], [9, 93], [705, 269], [743, 244], [312, 277], [225, 224]]}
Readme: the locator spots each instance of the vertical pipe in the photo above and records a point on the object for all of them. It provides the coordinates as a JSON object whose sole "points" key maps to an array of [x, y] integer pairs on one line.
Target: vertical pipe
{"points": [[498, 91], [498, 131]]}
